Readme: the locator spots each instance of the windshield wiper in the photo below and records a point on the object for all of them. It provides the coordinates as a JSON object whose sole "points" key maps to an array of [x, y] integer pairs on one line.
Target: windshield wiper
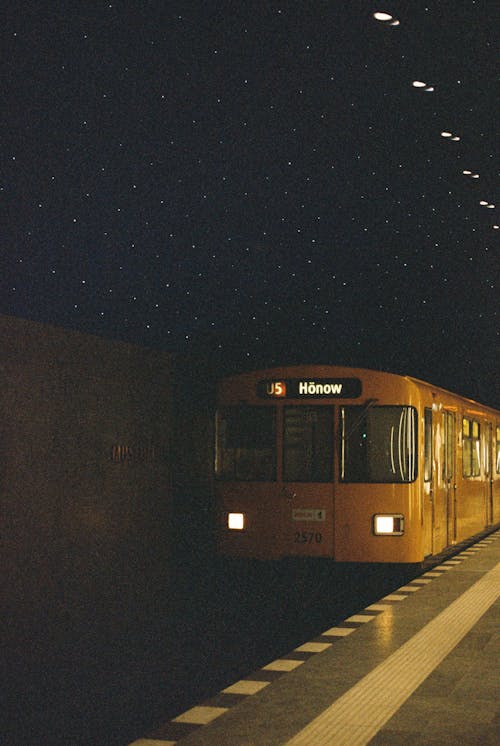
{"points": [[369, 403]]}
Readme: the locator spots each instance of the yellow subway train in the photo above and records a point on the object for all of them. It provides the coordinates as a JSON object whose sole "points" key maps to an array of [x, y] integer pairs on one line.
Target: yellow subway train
{"points": [[350, 464]]}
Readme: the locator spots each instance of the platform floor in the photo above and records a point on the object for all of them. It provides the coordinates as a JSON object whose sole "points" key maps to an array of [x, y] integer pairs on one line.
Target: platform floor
{"points": [[419, 668]]}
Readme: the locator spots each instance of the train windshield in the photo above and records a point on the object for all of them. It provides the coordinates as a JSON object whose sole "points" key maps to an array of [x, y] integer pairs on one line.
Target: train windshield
{"points": [[308, 444], [246, 444], [378, 444]]}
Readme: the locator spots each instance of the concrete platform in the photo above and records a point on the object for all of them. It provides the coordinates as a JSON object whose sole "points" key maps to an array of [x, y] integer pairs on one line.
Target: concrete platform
{"points": [[419, 668]]}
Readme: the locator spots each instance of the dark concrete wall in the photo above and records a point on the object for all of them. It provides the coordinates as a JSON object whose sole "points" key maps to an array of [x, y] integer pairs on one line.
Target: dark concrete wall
{"points": [[86, 444]]}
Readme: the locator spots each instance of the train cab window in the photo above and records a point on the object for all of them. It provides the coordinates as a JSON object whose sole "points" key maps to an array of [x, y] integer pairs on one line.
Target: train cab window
{"points": [[471, 453], [378, 444], [246, 443], [308, 444]]}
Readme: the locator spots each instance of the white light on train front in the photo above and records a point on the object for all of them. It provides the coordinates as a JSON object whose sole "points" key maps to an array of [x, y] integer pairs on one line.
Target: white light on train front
{"points": [[388, 525], [236, 521]]}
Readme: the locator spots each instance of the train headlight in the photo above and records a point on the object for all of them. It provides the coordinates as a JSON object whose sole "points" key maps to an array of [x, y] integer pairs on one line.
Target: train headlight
{"points": [[236, 521], [390, 524]]}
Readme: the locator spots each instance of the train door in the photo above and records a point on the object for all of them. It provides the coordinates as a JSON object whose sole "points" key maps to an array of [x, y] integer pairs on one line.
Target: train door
{"points": [[428, 486], [307, 479], [436, 446], [449, 476], [488, 474]]}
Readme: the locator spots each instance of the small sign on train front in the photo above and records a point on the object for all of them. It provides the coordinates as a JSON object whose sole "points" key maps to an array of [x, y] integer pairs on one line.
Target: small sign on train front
{"points": [[309, 514]]}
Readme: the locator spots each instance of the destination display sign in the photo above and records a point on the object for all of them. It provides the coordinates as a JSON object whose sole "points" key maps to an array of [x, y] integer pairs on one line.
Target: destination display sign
{"points": [[310, 388]]}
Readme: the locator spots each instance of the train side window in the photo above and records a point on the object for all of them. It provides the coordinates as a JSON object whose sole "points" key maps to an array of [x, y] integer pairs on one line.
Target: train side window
{"points": [[498, 451], [471, 448], [487, 449], [246, 443], [378, 444], [427, 445], [449, 446], [308, 444]]}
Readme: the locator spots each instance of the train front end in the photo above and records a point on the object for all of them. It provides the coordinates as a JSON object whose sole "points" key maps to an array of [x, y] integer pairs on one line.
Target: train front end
{"points": [[317, 462]]}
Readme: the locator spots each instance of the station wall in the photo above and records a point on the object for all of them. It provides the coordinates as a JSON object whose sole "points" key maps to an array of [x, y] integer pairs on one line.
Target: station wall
{"points": [[86, 459]]}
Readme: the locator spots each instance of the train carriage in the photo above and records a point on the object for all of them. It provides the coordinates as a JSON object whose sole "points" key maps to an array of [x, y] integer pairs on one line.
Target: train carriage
{"points": [[351, 464]]}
